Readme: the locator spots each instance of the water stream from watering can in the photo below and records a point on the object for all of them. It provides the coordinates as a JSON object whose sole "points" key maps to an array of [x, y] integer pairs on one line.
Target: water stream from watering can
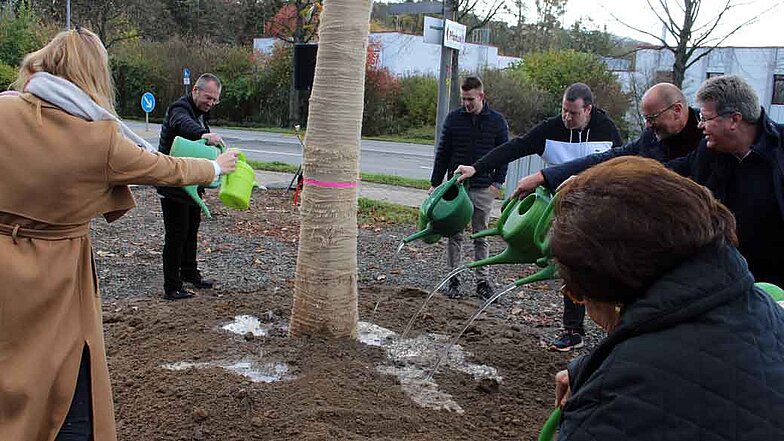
{"points": [[481, 309], [388, 271], [448, 277]]}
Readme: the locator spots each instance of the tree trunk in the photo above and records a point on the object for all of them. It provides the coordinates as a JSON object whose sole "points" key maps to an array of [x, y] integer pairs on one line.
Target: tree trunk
{"points": [[325, 290]]}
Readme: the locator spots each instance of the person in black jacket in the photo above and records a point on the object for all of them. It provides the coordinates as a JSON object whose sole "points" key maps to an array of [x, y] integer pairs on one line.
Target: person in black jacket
{"points": [[468, 133], [187, 117], [671, 131], [741, 161], [582, 129], [693, 350]]}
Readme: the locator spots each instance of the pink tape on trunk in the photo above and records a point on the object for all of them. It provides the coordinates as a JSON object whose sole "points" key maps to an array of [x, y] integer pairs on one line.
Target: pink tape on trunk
{"points": [[327, 184]]}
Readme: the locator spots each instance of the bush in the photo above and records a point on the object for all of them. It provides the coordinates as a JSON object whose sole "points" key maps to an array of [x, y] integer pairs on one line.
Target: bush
{"points": [[20, 33], [553, 71], [7, 76], [417, 101], [523, 104], [381, 92]]}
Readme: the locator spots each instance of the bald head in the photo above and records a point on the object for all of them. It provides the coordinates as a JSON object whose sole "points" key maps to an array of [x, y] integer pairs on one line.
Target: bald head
{"points": [[664, 108]]}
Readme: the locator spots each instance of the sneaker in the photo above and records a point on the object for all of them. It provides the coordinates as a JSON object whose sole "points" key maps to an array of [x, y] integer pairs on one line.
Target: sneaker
{"points": [[484, 290], [567, 341], [453, 290]]}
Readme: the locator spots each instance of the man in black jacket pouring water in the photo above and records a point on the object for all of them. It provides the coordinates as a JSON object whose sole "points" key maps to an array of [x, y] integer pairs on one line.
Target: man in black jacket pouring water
{"points": [[468, 133], [581, 129]]}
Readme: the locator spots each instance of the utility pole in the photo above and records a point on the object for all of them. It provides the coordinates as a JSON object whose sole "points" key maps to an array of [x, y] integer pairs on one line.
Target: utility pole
{"points": [[68, 15], [443, 74]]}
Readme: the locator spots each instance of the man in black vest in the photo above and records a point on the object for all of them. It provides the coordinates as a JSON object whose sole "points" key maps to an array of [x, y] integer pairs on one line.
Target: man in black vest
{"points": [[187, 117]]}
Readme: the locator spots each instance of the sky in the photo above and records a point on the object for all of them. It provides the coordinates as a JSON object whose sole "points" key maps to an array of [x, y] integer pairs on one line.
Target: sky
{"points": [[766, 31]]}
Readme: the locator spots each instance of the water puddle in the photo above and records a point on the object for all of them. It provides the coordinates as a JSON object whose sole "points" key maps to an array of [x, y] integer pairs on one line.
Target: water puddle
{"points": [[244, 324], [412, 358], [256, 372]]}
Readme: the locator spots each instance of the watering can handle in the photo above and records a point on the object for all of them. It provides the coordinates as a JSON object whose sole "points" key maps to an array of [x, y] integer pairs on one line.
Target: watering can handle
{"points": [[550, 426], [438, 193]]}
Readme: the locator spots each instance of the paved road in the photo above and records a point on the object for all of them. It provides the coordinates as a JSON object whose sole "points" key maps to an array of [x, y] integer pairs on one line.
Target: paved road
{"points": [[392, 158]]}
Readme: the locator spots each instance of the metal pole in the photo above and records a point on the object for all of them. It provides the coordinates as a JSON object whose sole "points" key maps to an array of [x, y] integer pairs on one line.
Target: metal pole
{"points": [[68, 15], [443, 87]]}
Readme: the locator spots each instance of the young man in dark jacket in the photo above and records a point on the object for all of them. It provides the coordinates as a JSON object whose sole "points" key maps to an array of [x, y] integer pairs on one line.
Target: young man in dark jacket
{"points": [[582, 129], [671, 131], [741, 161], [187, 117], [468, 133]]}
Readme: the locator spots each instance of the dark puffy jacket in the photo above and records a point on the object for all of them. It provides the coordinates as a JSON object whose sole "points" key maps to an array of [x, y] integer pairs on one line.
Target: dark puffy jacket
{"points": [[466, 137], [753, 191], [699, 357], [182, 119], [647, 146], [600, 128]]}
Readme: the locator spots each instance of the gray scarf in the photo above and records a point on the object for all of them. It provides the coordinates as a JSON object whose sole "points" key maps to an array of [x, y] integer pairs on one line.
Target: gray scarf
{"points": [[70, 98]]}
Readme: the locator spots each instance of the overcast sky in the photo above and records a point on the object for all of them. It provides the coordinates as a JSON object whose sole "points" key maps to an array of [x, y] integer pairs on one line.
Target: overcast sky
{"points": [[767, 31]]}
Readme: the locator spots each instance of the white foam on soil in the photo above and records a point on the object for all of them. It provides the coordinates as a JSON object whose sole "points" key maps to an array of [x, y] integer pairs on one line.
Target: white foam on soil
{"points": [[413, 358], [244, 324], [259, 372]]}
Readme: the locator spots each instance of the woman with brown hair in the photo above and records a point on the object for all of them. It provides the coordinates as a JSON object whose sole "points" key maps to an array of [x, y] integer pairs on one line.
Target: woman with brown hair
{"points": [[693, 350], [66, 159]]}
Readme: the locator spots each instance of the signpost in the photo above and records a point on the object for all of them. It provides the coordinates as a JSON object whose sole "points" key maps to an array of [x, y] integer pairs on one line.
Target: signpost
{"points": [[186, 78], [148, 104]]}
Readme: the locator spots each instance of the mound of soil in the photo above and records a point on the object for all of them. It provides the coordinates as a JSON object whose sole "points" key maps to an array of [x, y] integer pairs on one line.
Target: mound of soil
{"points": [[177, 375]]}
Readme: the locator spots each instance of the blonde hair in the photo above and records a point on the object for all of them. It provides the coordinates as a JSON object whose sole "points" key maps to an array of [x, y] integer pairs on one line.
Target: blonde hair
{"points": [[78, 56]]}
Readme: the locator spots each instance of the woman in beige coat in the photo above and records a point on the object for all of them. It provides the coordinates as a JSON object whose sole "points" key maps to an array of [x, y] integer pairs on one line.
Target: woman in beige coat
{"points": [[59, 169]]}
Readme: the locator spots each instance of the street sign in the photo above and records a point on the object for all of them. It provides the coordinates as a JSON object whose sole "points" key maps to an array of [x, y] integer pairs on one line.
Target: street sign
{"points": [[186, 76], [148, 102], [454, 34], [434, 30]]}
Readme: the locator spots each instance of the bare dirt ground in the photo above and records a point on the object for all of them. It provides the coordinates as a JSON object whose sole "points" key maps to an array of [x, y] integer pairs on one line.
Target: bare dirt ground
{"points": [[177, 375]]}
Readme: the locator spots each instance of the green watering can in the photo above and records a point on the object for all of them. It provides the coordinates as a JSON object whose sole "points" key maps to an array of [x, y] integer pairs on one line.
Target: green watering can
{"points": [[551, 425], [523, 225], [445, 212], [236, 187]]}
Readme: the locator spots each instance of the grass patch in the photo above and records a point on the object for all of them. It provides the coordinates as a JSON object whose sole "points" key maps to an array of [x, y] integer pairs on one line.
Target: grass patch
{"points": [[378, 178], [276, 166], [373, 212], [400, 181]]}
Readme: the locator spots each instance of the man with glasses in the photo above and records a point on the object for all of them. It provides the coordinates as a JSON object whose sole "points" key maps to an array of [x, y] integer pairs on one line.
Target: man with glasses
{"points": [[187, 117], [580, 130], [741, 161], [671, 131]]}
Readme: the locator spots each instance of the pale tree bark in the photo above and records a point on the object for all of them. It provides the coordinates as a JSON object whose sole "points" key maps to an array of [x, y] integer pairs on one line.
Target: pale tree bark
{"points": [[325, 290]]}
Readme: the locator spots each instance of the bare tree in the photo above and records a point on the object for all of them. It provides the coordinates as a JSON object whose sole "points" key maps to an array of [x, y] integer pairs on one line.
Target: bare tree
{"points": [[688, 38]]}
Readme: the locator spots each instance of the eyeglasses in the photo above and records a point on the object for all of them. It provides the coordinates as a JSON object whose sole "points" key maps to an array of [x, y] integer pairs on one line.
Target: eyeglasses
{"points": [[565, 291], [652, 117], [703, 120]]}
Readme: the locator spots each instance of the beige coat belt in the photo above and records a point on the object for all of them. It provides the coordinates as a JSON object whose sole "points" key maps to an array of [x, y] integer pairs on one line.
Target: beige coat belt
{"points": [[54, 233]]}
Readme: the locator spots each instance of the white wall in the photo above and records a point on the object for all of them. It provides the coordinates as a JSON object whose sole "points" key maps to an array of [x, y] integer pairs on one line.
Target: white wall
{"points": [[405, 54], [755, 65]]}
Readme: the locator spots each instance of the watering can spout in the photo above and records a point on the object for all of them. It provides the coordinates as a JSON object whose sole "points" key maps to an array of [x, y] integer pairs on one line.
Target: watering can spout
{"points": [[184, 148], [192, 191], [507, 256], [419, 235], [545, 273]]}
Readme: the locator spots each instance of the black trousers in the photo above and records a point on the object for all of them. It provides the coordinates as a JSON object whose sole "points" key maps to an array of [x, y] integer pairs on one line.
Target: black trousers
{"points": [[78, 425], [181, 222], [573, 316]]}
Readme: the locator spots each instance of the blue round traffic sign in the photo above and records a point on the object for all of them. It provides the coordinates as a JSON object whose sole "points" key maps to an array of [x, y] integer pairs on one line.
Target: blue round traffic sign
{"points": [[148, 102]]}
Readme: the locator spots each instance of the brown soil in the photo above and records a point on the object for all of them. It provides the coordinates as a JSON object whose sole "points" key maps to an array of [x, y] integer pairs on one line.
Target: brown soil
{"points": [[333, 390]]}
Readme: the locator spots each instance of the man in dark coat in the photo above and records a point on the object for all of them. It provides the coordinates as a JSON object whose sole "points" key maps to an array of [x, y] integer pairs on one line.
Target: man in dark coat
{"points": [[580, 130], [468, 133], [187, 117], [741, 161]]}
